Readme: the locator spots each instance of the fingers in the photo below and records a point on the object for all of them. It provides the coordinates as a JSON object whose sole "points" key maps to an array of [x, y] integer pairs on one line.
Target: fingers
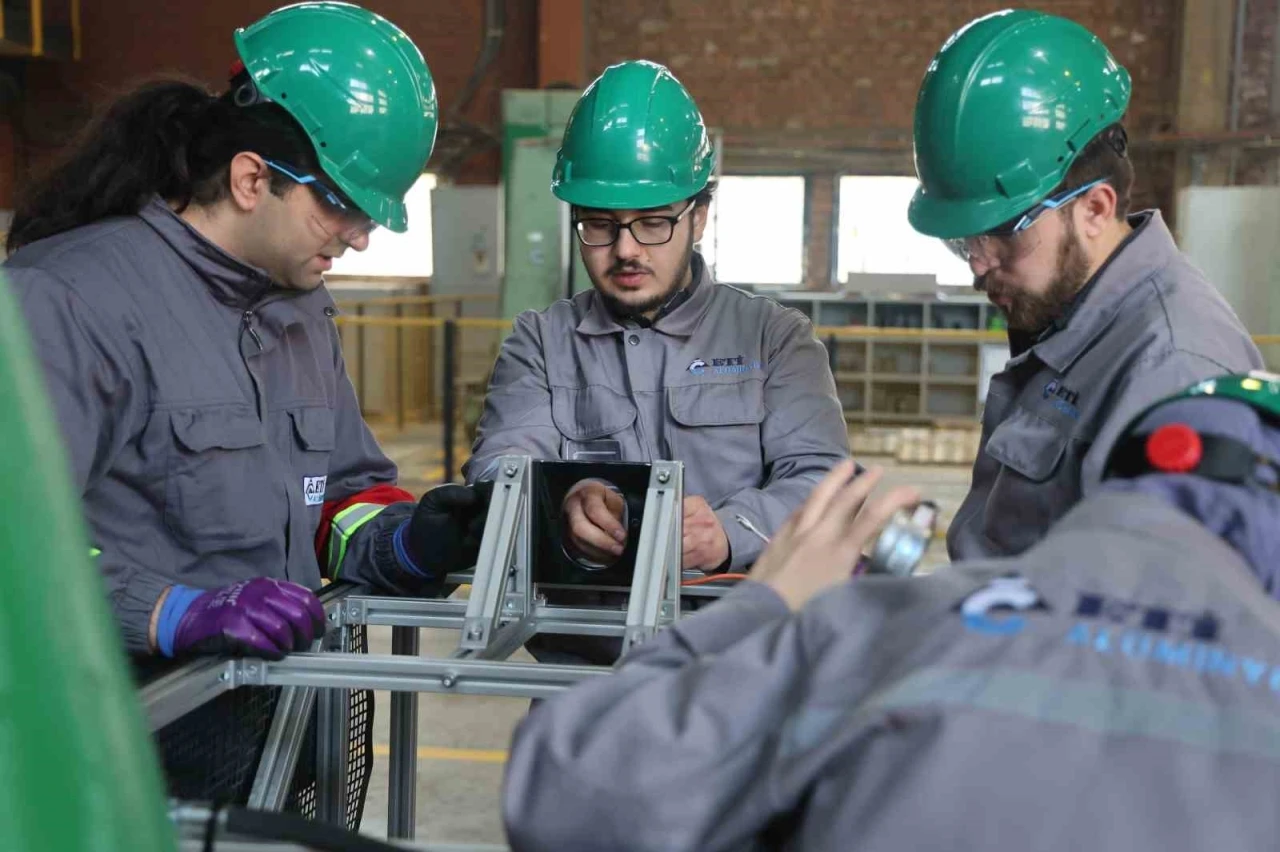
{"points": [[299, 618], [586, 535], [604, 509], [450, 498], [846, 502], [823, 493], [260, 632], [309, 604], [695, 506], [691, 551], [876, 513]]}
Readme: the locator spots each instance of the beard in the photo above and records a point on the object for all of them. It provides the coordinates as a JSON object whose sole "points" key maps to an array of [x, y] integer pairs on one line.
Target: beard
{"points": [[625, 310], [1034, 312]]}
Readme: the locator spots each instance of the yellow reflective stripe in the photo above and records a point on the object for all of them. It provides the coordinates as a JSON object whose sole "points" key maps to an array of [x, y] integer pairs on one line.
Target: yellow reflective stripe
{"points": [[345, 524]]}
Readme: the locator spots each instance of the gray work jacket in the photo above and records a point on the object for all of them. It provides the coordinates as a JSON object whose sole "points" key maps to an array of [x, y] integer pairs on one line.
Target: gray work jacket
{"points": [[1149, 326], [1116, 687], [207, 415], [734, 386]]}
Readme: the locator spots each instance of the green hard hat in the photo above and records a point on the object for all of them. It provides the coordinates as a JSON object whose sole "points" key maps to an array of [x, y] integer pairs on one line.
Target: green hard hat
{"points": [[1258, 389], [361, 91], [1004, 108], [634, 140]]}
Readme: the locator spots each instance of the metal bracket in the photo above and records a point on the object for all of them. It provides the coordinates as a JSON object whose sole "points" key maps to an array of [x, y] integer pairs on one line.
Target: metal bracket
{"points": [[503, 556], [655, 587]]}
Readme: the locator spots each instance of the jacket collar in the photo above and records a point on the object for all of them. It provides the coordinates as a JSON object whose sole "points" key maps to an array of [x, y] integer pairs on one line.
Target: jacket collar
{"points": [[232, 281]]}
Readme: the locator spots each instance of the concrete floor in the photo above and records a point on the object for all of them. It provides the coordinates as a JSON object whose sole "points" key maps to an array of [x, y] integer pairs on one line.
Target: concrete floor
{"points": [[462, 740]]}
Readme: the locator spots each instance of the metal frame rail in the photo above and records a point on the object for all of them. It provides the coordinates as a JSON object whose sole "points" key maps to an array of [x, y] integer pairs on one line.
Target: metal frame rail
{"points": [[502, 612]]}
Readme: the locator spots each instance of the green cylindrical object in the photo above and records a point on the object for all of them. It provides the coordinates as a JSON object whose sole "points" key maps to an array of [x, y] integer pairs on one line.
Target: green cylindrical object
{"points": [[78, 772]]}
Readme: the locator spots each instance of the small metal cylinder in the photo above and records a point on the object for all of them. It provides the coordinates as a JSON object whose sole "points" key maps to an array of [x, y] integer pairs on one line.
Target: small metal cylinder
{"points": [[903, 542]]}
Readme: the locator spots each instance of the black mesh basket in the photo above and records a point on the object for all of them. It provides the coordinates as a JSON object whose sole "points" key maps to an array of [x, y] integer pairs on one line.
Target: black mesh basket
{"points": [[212, 753]]}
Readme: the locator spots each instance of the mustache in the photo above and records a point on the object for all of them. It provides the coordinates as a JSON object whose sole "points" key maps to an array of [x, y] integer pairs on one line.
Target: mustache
{"points": [[628, 267]]}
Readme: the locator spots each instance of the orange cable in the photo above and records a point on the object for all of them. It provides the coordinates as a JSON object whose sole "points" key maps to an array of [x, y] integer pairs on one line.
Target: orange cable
{"points": [[712, 578]]}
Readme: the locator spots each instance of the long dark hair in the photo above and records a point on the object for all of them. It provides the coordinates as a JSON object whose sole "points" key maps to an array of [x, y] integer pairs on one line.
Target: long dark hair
{"points": [[167, 137]]}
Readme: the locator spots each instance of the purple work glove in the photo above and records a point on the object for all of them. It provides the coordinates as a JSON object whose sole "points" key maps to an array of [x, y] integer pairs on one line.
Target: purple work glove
{"points": [[256, 618]]}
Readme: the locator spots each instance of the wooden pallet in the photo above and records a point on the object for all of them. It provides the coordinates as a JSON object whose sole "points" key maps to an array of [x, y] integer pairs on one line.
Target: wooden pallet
{"points": [[917, 445]]}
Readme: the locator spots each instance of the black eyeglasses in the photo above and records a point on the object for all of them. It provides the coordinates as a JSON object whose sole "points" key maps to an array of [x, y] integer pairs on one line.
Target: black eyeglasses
{"points": [[355, 222], [646, 230]]}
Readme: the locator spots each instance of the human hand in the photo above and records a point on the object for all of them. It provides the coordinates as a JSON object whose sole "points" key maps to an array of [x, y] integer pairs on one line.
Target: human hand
{"points": [[261, 617], [593, 513], [705, 543], [818, 546]]}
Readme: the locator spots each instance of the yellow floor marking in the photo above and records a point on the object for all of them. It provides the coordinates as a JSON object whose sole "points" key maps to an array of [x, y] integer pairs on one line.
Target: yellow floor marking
{"points": [[465, 755]]}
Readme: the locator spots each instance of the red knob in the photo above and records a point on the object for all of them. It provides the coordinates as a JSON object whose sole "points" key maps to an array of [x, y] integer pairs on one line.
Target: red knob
{"points": [[1175, 448]]}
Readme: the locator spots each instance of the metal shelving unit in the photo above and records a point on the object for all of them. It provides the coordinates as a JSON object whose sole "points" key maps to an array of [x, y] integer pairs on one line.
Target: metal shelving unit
{"points": [[907, 379]]}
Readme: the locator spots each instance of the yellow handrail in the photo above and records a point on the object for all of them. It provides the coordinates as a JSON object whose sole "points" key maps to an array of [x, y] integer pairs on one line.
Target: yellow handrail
{"points": [[392, 301], [392, 322], [856, 333], [951, 335], [490, 323]]}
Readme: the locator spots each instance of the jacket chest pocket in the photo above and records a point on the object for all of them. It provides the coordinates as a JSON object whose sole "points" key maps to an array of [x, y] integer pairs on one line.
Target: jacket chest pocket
{"points": [[589, 421], [1037, 483], [313, 442], [219, 491], [716, 433]]}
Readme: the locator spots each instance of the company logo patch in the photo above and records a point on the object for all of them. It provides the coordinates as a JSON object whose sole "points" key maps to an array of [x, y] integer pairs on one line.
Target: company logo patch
{"points": [[313, 489], [1063, 398], [1203, 626], [1188, 655], [724, 366], [994, 608]]}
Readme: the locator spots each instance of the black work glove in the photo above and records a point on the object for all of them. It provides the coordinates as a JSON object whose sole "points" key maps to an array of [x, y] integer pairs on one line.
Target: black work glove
{"points": [[445, 530]]}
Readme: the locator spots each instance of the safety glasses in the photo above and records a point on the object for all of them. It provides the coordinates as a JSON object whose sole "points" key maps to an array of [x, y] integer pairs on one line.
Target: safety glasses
{"points": [[1007, 244], [355, 224]]}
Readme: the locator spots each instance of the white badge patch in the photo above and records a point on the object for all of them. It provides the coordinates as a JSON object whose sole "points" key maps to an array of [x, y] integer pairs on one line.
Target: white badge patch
{"points": [[313, 489]]}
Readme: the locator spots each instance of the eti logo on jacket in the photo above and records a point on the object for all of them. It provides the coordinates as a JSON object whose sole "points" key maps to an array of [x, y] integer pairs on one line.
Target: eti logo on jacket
{"points": [[313, 489], [996, 608]]}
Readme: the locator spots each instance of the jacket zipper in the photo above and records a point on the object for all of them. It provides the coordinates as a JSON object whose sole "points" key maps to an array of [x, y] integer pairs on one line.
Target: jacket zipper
{"points": [[247, 317]]}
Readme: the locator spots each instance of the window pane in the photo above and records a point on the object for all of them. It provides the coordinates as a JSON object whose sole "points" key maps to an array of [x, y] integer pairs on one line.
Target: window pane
{"points": [[408, 254], [755, 231], [875, 235]]}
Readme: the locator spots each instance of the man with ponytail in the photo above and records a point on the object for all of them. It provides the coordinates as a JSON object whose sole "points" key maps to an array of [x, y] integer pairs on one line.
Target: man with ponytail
{"points": [[171, 268]]}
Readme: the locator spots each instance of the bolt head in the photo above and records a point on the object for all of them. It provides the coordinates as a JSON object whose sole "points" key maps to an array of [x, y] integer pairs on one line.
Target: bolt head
{"points": [[511, 470], [448, 681], [664, 477]]}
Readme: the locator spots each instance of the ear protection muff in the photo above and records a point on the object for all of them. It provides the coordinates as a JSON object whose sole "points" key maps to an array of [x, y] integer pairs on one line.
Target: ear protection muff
{"points": [[1177, 448]]}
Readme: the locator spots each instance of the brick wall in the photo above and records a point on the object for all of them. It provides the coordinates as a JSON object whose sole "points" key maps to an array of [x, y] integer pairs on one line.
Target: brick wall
{"points": [[845, 70], [832, 65], [1255, 91], [125, 40]]}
